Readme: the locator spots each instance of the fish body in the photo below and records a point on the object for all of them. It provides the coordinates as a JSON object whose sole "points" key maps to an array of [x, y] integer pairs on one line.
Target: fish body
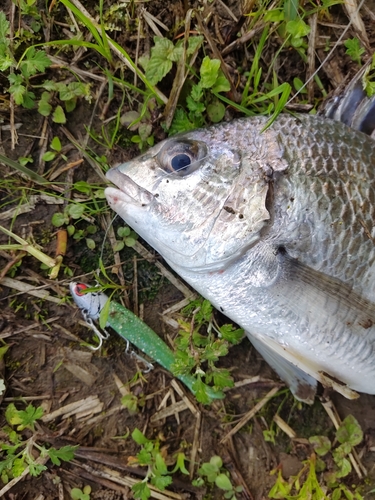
{"points": [[276, 229]]}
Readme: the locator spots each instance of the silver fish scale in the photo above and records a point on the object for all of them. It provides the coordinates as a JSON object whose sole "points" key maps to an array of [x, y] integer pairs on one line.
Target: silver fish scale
{"points": [[330, 222]]}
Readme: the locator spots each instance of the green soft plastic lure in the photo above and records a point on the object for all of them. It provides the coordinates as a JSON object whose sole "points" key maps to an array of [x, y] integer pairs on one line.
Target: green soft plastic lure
{"points": [[130, 328]]}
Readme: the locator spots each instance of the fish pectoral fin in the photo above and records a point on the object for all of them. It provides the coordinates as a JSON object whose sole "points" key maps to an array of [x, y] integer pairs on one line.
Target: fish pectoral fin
{"points": [[310, 291], [302, 385]]}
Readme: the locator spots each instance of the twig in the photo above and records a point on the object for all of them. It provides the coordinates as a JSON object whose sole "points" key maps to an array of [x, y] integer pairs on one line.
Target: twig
{"points": [[196, 441], [311, 55], [250, 414]]}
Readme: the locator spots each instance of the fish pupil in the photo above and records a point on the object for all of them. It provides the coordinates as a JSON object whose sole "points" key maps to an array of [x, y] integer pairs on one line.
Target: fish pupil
{"points": [[180, 161]]}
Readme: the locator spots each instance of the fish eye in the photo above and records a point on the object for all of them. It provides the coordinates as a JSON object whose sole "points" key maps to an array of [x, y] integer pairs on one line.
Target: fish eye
{"points": [[180, 161], [181, 157]]}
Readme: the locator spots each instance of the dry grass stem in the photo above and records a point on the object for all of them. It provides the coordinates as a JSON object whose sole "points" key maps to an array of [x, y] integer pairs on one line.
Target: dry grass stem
{"points": [[249, 415], [284, 426]]}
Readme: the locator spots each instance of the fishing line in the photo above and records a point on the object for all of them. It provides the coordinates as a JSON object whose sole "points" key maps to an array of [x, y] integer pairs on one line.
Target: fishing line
{"points": [[328, 55]]}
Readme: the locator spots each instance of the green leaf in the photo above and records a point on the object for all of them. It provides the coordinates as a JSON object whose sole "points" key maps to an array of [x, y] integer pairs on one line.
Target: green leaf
{"points": [[200, 391], [321, 444], [297, 28], [44, 107], [221, 84], [5, 59], [76, 210], [131, 403], [12, 415], [181, 123], [59, 219], [18, 467], [49, 156], [354, 49], [222, 481], [123, 231], [209, 72], [160, 465], [4, 27], [231, 334], [216, 462], [216, 111], [3, 351], [28, 99], [196, 92], [141, 491], [58, 115], [162, 56], [130, 241], [139, 437], [49, 85], [161, 482], [36, 469], [118, 246], [350, 431], [90, 243], [82, 187], [144, 457], [65, 453], [17, 89], [194, 106], [299, 85], [91, 229], [76, 494], [34, 61], [193, 43], [180, 464], [70, 105], [29, 416], [73, 90], [56, 144]]}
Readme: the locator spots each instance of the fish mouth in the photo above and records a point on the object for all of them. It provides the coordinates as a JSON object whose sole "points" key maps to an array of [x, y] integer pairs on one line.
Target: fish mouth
{"points": [[128, 191]]}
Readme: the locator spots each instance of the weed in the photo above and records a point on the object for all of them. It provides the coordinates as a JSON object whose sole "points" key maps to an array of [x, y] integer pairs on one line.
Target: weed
{"points": [[84, 494], [354, 49], [154, 458], [214, 473], [306, 484], [200, 344], [17, 454]]}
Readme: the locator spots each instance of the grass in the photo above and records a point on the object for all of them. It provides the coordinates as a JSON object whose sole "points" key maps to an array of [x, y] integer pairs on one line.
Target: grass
{"points": [[136, 86]]}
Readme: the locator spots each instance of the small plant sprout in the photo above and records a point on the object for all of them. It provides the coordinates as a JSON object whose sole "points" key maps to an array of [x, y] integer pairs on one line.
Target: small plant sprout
{"points": [[78, 494], [56, 147], [213, 473], [18, 454], [153, 457], [128, 238]]}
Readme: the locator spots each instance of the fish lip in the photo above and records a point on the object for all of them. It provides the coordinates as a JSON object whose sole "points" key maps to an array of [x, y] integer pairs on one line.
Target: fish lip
{"points": [[127, 188]]}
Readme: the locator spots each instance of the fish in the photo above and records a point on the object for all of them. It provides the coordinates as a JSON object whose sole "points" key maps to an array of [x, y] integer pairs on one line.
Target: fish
{"points": [[275, 227]]}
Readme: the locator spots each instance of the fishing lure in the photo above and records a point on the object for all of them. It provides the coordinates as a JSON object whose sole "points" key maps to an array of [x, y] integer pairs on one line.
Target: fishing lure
{"points": [[130, 328]]}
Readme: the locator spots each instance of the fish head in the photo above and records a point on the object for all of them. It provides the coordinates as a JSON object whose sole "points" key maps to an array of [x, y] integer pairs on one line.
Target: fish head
{"points": [[198, 199]]}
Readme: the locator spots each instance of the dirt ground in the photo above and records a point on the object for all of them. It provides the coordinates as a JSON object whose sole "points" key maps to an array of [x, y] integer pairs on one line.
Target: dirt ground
{"points": [[48, 366]]}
